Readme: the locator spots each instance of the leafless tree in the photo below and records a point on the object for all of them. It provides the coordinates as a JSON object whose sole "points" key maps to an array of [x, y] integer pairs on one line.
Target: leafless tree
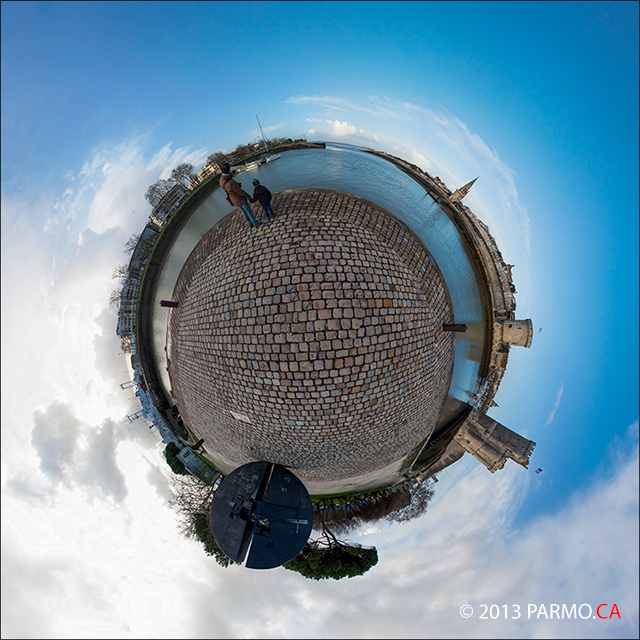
{"points": [[192, 503], [420, 497], [190, 497], [125, 344], [242, 150], [217, 158], [349, 512], [131, 243], [183, 173], [114, 298], [121, 273], [157, 191]]}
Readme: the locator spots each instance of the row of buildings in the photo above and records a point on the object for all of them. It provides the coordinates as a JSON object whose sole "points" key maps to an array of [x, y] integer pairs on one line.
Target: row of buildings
{"points": [[129, 293], [168, 423]]}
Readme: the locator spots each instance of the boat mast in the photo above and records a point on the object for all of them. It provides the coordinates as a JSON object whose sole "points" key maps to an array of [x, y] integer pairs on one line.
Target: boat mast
{"points": [[263, 136]]}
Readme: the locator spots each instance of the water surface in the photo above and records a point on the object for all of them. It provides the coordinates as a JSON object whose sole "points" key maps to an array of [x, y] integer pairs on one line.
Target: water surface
{"points": [[348, 169]]}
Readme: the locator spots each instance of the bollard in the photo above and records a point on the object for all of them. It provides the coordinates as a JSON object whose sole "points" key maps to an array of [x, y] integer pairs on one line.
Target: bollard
{"points": [[454, 327]]}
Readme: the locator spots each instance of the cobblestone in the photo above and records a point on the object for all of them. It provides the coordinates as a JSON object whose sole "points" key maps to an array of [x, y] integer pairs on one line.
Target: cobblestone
{"points": [[324, 327]]}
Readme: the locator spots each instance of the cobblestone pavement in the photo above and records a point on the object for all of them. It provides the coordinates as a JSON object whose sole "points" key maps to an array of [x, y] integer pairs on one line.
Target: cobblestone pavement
{"points": [[314, 341]]}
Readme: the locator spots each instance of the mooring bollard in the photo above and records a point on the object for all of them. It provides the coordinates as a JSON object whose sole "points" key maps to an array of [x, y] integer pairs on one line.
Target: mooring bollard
{"points": [[454, 327]]}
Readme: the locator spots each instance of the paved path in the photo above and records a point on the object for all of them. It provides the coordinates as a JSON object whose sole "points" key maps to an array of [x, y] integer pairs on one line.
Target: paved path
{"points": [[314, 341]]}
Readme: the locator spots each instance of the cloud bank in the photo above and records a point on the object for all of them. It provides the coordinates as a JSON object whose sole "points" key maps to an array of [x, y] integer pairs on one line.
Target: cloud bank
{"points": [[461, 552]]}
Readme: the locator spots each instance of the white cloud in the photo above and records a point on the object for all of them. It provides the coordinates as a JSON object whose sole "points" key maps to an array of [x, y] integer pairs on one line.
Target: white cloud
{"points": [[376, 107], [552, 413], [464, 550], [56, 318], [77, 454], [274, 127], [419, 159], [330, 102], [339, 129]]}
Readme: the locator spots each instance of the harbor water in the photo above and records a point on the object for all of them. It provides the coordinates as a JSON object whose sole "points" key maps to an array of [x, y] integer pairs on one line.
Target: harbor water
{"points": [[351, 170]]}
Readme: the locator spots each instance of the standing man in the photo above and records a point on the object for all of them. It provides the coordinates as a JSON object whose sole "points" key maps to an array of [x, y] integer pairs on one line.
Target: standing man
{"points": [[236, 195], [263, 195]]}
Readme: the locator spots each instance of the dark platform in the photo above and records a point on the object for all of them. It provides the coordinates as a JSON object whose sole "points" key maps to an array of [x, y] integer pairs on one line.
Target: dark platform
{"points": [[262, 509]]}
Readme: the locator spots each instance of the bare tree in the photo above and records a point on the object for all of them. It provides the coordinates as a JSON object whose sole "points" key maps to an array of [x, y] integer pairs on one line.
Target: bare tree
{"points": [[125, 344], [157, 191], [131, 243], [346, 513], [242, 150], [192, 503], [114, 298], [183, 173], [420, 498], [217, 158], [190, 496], [121, 273]]}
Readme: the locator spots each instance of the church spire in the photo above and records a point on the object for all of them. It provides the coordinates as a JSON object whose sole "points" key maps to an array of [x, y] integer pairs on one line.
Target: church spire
{"points": [[460, 193]]}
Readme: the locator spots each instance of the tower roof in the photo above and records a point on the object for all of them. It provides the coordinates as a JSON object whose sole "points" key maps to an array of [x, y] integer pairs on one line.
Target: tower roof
{"points": [[460, 193]]}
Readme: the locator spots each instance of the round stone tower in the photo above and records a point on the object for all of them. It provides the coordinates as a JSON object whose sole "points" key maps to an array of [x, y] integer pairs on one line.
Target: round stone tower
{"points": [[517, 332], [314, 342]]}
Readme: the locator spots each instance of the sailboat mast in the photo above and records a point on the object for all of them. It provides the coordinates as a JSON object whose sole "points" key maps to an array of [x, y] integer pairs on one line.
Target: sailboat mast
{"points": [[262, 132]]}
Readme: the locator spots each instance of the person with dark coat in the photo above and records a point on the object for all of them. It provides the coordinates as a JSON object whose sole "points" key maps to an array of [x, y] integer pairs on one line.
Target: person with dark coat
{"points": [[236, 195], [263, 195]]}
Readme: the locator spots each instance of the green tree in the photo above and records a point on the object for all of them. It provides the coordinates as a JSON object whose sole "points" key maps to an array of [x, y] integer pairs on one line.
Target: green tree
{"points": [[170, 453], [202, 531], [328, 557]]}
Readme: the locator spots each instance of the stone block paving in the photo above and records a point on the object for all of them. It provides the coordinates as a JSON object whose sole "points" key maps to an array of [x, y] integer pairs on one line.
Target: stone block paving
{"points": [[321, 331]]}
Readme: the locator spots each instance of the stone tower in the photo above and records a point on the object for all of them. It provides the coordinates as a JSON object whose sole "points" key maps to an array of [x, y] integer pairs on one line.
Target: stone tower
{"points": [[517, 332], [492, 443], [460, 193]]}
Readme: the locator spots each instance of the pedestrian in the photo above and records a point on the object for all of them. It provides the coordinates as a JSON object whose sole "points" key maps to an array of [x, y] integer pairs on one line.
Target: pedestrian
{"points": [[263, 195], [236, 195]]}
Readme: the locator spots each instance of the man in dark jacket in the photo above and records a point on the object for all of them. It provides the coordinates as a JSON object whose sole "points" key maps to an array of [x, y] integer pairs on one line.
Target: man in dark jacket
{"points": [[263, 195], [237, 196]]}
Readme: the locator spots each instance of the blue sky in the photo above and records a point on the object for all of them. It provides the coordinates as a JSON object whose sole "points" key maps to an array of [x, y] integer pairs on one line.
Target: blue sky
{"points": [[539, 99]]}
